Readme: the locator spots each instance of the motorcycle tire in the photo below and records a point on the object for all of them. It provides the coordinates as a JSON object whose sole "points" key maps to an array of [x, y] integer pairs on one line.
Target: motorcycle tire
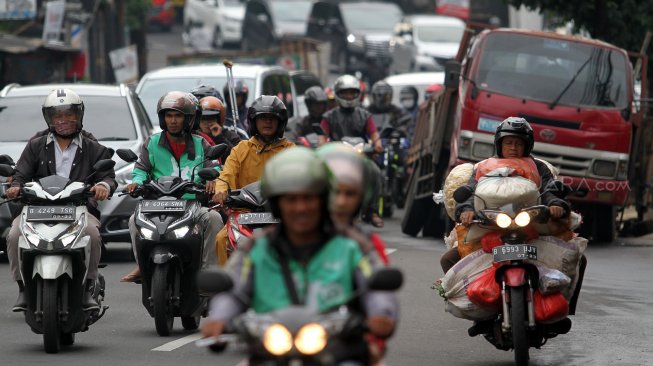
{"points": [[67, 339], [161, 294], [51, 333], [518, 320], [190, 322]]}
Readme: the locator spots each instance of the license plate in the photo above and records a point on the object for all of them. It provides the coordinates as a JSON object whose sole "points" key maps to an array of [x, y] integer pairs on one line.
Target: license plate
{"points": [[488, 125], [163, 206], [514, 252], [257, 218], [51, 213]]}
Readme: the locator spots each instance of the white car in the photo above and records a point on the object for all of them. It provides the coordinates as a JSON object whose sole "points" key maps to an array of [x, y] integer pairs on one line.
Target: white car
{"points": [[213, 23], [425, 43], [419, 80]]}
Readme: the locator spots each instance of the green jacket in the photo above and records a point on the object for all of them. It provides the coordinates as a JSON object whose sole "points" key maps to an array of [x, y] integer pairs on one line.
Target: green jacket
{"points": [[156, 159]]}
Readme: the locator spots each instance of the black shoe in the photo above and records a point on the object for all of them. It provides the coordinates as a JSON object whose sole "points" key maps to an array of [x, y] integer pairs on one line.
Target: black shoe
{"points": [[21, 302], [480, 327], [560, 327], [88, 302]]}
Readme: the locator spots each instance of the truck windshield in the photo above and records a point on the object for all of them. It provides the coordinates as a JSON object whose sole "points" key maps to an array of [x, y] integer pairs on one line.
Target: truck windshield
{"points": [[540, 68]]}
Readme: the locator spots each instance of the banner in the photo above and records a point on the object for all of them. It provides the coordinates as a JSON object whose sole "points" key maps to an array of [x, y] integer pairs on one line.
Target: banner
{"points": [[17, 9], [54, 13], [125, 64]]}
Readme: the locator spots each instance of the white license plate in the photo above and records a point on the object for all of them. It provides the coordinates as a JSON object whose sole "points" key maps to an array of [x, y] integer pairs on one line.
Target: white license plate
{"points": [[514, 252]]}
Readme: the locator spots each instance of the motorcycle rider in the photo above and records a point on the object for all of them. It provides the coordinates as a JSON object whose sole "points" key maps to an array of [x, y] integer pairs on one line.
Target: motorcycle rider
{"points": [[349, 119], [267, 121], [62, 148], [212, 123], [316, 101], [242, 92], [204, 90], [382, 105], [408, 97], [174, 152], [298, 185]]}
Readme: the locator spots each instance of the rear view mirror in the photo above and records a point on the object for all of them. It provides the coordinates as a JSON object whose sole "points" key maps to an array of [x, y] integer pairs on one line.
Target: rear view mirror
{"points": [[6, 170], [463, 193], [452, 74], [214, 281], [216, 152], [386, 279], [6, 159], [104, 165], [127, 155], [208, 174]]}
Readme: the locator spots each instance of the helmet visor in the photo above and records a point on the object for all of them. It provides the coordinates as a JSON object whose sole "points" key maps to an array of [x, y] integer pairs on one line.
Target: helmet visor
{"points": [[65, 119]]}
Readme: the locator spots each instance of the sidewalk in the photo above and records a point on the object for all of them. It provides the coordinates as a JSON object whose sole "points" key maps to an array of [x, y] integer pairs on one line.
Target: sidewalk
{"points": [[639, 241]]}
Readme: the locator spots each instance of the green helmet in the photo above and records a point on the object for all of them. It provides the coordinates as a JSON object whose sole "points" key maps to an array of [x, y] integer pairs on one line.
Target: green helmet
{"points": [[295, 170]]}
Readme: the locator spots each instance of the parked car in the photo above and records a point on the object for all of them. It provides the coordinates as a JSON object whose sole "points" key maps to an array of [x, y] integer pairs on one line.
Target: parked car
{"points": [[420, 80], [266, 21], [359, 33], [261, 80], [221, 20], [161, 15], [303, 80], [425, 43], [113, 114]]}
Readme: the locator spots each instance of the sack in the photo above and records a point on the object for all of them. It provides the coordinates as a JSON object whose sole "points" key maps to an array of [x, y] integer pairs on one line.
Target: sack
{"points": [[485, 291], [458, 177], [456, 281], [465, 247], [499, 191], [552, 280], [550, 308], [558, 254], [491, 240], [524, 167]]}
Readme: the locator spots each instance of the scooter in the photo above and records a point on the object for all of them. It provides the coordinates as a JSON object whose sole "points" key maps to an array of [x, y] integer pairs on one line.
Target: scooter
{"points": [[54, 257], [515, 326], [298, 335], [169, 245]]}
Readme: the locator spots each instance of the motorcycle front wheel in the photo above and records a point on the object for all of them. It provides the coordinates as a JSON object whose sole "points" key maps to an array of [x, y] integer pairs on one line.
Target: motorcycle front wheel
{"points": [[518, 321], [51, 333], [162, 282]]}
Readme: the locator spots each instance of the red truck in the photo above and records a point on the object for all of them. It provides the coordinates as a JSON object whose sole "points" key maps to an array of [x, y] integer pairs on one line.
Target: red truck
{"points": [[577, 93]]}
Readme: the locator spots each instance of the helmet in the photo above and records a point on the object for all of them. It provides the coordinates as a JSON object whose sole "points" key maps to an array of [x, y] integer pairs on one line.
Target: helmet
{"points": [[347, 82], [381, 94], [514, 126], [408, 97], [240, 88], [296, 170], [178, 101], [315, 95], [432, 89], [63, 100], [198, 111], [330, 94], [267, 104], [212, 106], [202, 91]]}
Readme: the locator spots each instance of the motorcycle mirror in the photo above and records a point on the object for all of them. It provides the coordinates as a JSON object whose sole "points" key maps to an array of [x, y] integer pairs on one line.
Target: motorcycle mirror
{"points": [[6, 170], [217, 151], [214, 281], [463, 193], [104, 165], [386, 279], [208, 174], [6, 159], [127, 155]]}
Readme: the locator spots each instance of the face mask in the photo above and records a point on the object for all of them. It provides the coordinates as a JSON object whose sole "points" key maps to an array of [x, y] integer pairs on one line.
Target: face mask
{"points": [[408, 103]]}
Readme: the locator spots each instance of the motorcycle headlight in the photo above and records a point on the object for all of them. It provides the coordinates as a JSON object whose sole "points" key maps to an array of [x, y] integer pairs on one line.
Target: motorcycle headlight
{"points": [[147, 233], [503, 220], [31, 235], [277, 340], [523, 219], [311, 339], [124, 175], [73, 230], [181, 232]]}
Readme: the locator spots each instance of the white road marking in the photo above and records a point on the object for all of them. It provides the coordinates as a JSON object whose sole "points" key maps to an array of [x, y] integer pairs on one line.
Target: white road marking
{"points": [[389, 251], [171, 346]]}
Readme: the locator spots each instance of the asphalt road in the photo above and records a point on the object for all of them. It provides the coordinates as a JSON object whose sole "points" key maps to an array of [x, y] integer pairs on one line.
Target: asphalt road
{"points": [[613, 325]]}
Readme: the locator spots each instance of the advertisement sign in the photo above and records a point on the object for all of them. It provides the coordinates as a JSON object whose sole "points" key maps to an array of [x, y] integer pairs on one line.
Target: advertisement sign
{"points": [[125, 64], [17, 9], [54, 13]]}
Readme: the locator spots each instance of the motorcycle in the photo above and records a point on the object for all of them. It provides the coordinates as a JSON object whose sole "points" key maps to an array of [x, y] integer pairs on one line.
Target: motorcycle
{"points": [[169, 245], [54, 257], [393, 169], [298, 335], [515, 326]]}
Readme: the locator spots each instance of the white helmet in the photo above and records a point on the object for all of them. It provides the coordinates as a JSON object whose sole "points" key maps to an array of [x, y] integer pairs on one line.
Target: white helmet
{"points": [[62, 99], [347, 82]]}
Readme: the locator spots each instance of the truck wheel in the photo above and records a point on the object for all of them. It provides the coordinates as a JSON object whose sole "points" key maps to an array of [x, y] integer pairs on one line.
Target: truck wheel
{"points": [[605, 224], [416, 215]]}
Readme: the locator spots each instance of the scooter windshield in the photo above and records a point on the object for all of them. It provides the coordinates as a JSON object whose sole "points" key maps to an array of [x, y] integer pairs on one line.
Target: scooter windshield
{"points": [[53, 184]]}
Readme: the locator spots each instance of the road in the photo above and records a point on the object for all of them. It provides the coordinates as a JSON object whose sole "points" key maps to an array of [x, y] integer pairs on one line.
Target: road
{"points": [[613, 325]]}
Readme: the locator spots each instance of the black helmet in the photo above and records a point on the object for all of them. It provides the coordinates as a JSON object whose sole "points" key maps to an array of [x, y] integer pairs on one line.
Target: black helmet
{"points": [[315, 95], [514, 126], [381, 94], [203, 90], [239, 88], [267, 104], [408, 97]]}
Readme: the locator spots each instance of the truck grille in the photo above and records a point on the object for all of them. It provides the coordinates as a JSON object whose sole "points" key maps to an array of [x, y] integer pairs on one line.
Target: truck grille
{"points": [[379, 49], [573, 166]]}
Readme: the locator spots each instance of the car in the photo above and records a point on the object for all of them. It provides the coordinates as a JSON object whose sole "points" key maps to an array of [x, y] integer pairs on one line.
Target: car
{"points": [[112, 113], [261, 80], [161, 15], [266, 21], [419, 80], [425, 43], [303, 80], [359, 33], [221, 20]]}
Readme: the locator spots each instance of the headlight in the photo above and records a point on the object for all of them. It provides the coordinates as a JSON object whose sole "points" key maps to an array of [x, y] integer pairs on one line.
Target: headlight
{"points": [[124, 174], [277, 340], [311, 339], [355, 42], [32, 236], [523, 219], [73, 230], [147, 233], [622, 171], [181, 232], [503, 220], [604, 168]]}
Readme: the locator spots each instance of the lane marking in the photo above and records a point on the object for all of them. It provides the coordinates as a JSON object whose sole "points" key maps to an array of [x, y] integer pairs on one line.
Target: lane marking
{"points": [[171, 346], [390, 251]]}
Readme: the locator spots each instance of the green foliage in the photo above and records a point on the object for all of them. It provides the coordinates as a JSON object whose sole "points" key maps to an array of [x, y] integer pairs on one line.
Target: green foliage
{"points": [[136, 13]]}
